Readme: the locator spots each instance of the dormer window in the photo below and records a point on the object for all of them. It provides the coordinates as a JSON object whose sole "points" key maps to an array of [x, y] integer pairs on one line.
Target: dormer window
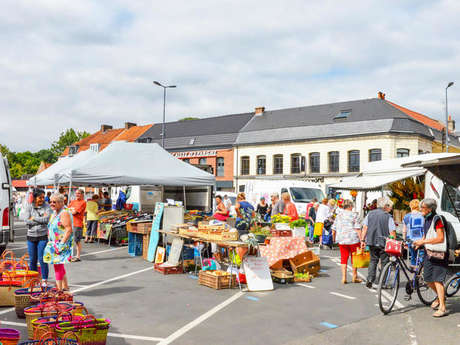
{"points": [[192, 141], [73, 149], [94, 147], [343, 115]]}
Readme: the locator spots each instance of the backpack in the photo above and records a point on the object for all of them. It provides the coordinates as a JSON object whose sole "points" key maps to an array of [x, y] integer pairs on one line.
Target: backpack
{"points": [[452, 243]]}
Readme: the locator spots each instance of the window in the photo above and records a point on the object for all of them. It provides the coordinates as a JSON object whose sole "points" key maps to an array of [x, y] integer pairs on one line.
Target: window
{"points": [[402, 153], [446, 201], [343, 114], [353, 161], [245, 165], [73, 149], [186, 160], [220, 166], [334, 161], [94, 147], [261, 164], [202, 161], [295, 163], [314, 162], [277, 164], [375, 155]]}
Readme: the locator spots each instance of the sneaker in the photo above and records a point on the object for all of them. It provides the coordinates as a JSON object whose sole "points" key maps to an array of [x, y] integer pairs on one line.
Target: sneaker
{"points": [[369, 285]]}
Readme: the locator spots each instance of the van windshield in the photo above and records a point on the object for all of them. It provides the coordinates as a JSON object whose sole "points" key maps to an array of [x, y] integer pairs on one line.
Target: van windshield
{"points": [[300, 194], [446, 204]]}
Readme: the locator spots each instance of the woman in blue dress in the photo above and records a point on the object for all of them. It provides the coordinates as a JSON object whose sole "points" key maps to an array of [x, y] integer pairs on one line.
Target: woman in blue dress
{"points": [[58, 251]]}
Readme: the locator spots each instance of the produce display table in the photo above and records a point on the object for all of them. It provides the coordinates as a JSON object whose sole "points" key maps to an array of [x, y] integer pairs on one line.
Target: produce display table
{"points": [[283, 248]]}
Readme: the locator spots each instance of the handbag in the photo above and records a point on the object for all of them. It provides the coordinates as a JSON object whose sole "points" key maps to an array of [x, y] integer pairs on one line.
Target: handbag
{"points": [[436, 251], [393, 247], [360, 258]]}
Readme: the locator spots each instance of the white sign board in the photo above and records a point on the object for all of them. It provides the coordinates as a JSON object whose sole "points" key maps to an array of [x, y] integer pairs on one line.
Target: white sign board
{"points": [[175, 251], [257, 273]]}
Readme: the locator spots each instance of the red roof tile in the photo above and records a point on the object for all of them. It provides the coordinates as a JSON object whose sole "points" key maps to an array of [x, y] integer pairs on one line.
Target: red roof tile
{"points": [[19, 183], [419, 117], [132, 133]]}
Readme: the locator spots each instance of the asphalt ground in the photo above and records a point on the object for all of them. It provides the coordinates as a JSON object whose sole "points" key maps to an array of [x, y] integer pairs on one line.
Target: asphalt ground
{"points": [[148, 308]]}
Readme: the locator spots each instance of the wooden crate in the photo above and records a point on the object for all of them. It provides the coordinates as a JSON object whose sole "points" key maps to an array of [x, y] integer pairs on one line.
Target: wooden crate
{"points": [[306, 262], [145, 246], [139, 228], [208, 279], [169, 270], [281, 233]]}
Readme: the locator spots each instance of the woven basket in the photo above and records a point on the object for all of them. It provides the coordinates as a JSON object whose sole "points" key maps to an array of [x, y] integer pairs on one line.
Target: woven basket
{"points": [[9, 336], [40, 310], [24, 298], [47, 324], [50, 339], [7, 288], [89, 330]]}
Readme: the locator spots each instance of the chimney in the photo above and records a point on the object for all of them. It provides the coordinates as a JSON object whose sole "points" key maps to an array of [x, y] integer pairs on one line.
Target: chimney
{"points": [[259, 111], [381, 95], [128, 125], [451, 124], [105, 128]]}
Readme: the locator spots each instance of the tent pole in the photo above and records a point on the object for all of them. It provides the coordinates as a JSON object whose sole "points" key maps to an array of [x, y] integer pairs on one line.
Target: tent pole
{"points": [[185, 199], [70, 191]]}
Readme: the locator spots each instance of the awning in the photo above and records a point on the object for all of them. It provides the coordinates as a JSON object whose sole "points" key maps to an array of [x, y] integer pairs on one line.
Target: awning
{"points": [[376, 181], [446, 168]]}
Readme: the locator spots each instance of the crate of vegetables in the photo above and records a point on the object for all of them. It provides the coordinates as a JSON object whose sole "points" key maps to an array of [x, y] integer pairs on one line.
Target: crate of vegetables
{"points": [[217, 279]]}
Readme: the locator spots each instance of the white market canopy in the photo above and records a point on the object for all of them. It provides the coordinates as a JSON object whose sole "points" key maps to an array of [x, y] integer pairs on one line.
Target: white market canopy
{"points": [[63, 166], [376, 175], [125, 164]]}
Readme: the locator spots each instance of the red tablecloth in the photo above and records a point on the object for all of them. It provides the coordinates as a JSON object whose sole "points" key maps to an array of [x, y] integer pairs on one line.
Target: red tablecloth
{"points": [[281, 248]]}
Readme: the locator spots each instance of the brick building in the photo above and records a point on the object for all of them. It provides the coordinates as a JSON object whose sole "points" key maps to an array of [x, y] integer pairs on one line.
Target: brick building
{"points": [[206, 143]]}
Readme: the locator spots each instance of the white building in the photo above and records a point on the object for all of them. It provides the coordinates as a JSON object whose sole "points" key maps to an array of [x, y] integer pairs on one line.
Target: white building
{"points": [[327, 142]]}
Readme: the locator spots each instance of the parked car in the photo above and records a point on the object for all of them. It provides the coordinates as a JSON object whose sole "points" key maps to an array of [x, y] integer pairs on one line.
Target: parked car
{"points": [[6, 205]]}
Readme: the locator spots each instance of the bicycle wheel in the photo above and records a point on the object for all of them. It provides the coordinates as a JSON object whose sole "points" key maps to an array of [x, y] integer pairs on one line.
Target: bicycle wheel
{"points": [[452, 285], [388, 287], [424, 292]]}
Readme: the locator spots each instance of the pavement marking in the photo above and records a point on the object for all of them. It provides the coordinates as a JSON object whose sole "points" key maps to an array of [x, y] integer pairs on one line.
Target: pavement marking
{"points": [[112, 279], [76, 285], [252, 298], [17, 248], [411, 331], [329, 325], [114, 335], [342, 295], [305, 285], [191, 276], [200, 319], [6, 311], [103, 251]]}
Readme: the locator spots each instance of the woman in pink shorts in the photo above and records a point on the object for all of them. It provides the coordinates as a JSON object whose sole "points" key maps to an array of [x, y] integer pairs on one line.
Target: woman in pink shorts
{"points": [[346, 231]]}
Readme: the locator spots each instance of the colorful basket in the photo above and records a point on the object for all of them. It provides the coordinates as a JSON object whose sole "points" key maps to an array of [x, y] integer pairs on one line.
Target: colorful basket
{"points": [[24, 298], [89, 330], [7, 288], [44, 309], [47, 324], [9, 336], [50, 339]]}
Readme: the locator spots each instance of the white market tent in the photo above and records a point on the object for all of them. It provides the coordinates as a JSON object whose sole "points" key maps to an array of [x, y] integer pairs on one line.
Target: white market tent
{"points": [[51, 176], [376, 175], [125, 164]]}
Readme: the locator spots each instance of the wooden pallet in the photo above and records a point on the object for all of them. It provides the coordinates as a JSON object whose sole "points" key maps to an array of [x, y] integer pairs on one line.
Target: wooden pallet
{"points": [[168, 270], [208, 279]]}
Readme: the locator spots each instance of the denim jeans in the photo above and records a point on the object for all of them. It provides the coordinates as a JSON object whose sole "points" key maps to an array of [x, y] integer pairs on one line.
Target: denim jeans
{"points": [[36, 250], [413, 255], [311, 230]]}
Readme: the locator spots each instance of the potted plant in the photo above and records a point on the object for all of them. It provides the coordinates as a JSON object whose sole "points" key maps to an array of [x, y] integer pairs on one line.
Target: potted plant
{"points": [[260, 233]]}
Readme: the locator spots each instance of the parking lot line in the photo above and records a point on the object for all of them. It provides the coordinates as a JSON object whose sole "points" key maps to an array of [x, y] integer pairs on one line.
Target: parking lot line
{"points": [[6, 311], [342, 295], [305, 285], [103, 251], [200, 319], [112, 279]]}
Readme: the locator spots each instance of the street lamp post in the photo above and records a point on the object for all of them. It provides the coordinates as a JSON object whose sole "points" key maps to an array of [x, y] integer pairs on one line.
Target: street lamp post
{"points": [[447, 118], [164, 110]]}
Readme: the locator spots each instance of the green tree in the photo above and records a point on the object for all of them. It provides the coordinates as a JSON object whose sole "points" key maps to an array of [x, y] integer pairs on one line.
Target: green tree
{"points": [[189, 118], [68, 137]]}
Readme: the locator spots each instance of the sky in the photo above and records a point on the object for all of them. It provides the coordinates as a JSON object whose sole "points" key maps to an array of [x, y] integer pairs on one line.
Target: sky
{"points": [[79, 64]]}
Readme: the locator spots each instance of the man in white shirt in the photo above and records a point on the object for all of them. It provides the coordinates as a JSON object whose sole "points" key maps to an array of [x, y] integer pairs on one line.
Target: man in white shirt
{"points": [[227, 202]]}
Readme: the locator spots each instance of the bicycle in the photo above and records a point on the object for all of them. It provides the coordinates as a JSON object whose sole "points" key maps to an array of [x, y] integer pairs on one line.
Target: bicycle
{"points": [[452, 285], [390, 278]]}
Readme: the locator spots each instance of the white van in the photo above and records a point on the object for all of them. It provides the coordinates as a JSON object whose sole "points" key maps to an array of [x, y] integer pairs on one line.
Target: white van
{"points": [[6, 206], [301, 192]]}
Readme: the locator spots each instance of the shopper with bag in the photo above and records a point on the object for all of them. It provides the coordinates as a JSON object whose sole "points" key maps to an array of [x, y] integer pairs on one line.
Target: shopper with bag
{"points": [[377, 227], [346, 231], [58, 251], [36, 216], [436, 258]]}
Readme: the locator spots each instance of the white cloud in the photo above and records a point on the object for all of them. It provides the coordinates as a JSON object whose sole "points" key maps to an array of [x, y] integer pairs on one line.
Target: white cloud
{"points": [[83, 63]]}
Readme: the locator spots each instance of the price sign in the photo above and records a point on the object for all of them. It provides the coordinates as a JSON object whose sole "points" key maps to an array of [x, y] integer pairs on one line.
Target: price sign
{"points": [[257, 273]]}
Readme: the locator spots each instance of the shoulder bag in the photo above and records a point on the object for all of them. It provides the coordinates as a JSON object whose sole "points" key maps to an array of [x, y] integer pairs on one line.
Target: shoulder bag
{"points": [[436, 251]]}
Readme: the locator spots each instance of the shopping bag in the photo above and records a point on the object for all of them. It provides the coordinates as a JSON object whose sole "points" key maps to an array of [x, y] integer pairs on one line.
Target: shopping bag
{"points": [[393, 247], [360, 258], [318, 231]]}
